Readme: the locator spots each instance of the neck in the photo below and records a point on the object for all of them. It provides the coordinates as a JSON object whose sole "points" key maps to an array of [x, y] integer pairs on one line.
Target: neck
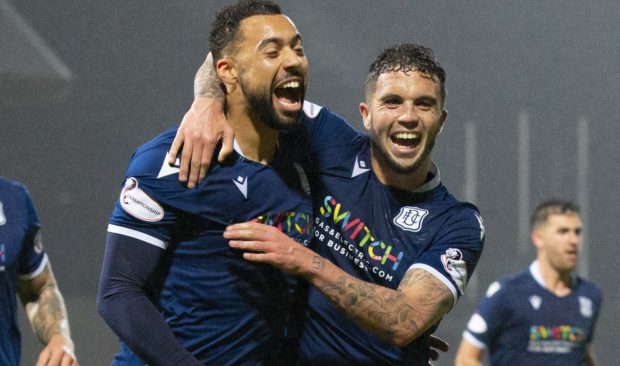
{"points": [[258, 142], [555, 281], [404, 181]]}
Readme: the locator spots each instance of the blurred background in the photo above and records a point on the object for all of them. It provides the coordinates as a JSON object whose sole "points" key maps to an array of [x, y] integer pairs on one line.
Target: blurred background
{"points": [[533, 92]]}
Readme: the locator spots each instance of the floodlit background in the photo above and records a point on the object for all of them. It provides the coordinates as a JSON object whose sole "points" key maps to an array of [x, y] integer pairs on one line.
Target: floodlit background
{"points": [[533, 92]]}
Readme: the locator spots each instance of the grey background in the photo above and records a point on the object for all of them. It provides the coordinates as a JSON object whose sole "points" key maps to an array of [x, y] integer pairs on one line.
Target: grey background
{"points": [[133, 65]]}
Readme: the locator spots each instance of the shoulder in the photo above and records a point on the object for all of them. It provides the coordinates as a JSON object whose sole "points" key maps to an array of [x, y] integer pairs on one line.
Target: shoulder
{"points": [[149, 158], [13, 189], [590, 288], [320, 120], [506, 284]]}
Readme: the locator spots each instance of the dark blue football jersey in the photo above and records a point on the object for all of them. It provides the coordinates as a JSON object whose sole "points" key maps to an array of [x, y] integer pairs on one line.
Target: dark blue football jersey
{"points": [[522, 323], [222, 308], [377, 233], [21, 256]]}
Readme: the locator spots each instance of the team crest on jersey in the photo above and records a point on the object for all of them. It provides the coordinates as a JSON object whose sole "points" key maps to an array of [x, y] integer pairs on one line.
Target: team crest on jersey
{"points": [[2, 216], [585, 306], [455, 265], [138, 204], [535, 301], [303, 178], [410, 218]]}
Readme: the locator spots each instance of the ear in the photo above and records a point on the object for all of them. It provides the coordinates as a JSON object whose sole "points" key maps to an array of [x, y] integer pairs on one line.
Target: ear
{"points": [[365, 113], [537, 239], [227, 72], [442, 120]]}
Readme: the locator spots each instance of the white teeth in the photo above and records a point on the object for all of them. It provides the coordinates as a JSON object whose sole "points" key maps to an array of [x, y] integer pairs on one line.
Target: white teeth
{"points": [[291, 84], [406, 136]]}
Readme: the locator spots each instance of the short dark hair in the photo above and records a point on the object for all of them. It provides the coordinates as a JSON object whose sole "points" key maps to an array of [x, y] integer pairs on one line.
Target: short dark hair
{"points": [[225, 28], [406, 57], [552, 207]]}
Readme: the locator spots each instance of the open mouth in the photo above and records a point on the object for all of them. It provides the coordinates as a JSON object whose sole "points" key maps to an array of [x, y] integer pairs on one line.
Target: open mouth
{"points": [[289, 95], [406, 139]]}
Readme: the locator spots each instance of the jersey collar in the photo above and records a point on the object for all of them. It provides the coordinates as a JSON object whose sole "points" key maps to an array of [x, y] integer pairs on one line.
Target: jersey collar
{"points": [[535, 272], [433, 182]]}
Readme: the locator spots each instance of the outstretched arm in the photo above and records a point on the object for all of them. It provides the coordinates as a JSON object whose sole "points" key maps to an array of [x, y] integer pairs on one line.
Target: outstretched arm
{"points": [[398, 316], [203, 127], [47, 313]]}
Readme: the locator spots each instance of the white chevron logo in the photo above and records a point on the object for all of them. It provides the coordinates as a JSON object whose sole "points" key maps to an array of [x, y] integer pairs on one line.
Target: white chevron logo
{"points": [[167, 169], [359, 167], [535, 301], [242, 184]]}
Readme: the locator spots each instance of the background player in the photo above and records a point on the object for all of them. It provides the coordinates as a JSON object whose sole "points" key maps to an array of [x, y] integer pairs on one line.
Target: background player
{"points": [[26, 271], [545, 314], [400, 247], [171, 287]]}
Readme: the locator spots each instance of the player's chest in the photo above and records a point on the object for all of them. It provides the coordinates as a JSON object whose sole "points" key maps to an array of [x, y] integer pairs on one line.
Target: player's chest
{"points": [[548, 317], [377, 239], [12, 232]]}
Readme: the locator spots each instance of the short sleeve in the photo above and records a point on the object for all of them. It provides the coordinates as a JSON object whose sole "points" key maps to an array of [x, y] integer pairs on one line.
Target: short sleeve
{"points": [[33, 258], [454, 253], [484, 324], [145, 208]]}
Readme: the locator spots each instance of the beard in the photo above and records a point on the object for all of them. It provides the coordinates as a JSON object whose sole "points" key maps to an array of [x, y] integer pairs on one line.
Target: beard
{"points": [[381, 152], [259, 105]]}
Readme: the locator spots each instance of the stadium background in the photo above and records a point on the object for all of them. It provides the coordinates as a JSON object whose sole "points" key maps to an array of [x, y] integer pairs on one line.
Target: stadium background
{"points": [[533, 91]]}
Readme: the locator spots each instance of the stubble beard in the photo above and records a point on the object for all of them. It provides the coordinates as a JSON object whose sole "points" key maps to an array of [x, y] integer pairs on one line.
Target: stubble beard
{"points": [[381, 152], [259, 105]]}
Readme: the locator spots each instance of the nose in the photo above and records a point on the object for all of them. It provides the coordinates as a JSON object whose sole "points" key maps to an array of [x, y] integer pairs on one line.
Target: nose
{"points": [[292, 59], [409, 113]]}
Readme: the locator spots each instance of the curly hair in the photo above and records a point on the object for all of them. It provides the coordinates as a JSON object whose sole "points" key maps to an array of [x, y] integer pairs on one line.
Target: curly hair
{"points": [[224, 33], [406, 57], [552, 207]]}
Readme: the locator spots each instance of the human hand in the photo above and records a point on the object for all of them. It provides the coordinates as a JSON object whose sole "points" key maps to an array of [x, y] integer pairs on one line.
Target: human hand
{"points": [[266, 244], [58, 352], [437, 345], [202, 128]]}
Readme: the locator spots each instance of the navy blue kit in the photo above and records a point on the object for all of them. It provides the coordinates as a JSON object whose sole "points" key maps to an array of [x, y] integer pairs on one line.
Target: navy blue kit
{"points": [[377, 233], [179, 285], [21, 257], [520, 322]]}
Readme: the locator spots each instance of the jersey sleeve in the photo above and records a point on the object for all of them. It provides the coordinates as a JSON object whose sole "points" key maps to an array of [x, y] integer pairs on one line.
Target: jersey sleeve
{"points": [[454, 254], [485, 323], [148, 204], [33, 259]]}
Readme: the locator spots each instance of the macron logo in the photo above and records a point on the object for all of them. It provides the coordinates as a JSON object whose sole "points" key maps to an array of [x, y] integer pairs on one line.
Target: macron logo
{"points": [[242, 184], [167, 169], [359, 167]]}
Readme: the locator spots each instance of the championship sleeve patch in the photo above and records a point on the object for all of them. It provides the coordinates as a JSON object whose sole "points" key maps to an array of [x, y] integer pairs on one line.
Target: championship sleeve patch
{"points": [[456, 267], [138, 204]]}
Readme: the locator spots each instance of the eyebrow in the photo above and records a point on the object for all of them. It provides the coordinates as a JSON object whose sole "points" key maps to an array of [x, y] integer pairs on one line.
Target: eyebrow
{"points": [[278, 41]]}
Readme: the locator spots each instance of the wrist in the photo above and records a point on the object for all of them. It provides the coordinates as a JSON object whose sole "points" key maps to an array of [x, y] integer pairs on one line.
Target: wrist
{"points": [[203, 103]]}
